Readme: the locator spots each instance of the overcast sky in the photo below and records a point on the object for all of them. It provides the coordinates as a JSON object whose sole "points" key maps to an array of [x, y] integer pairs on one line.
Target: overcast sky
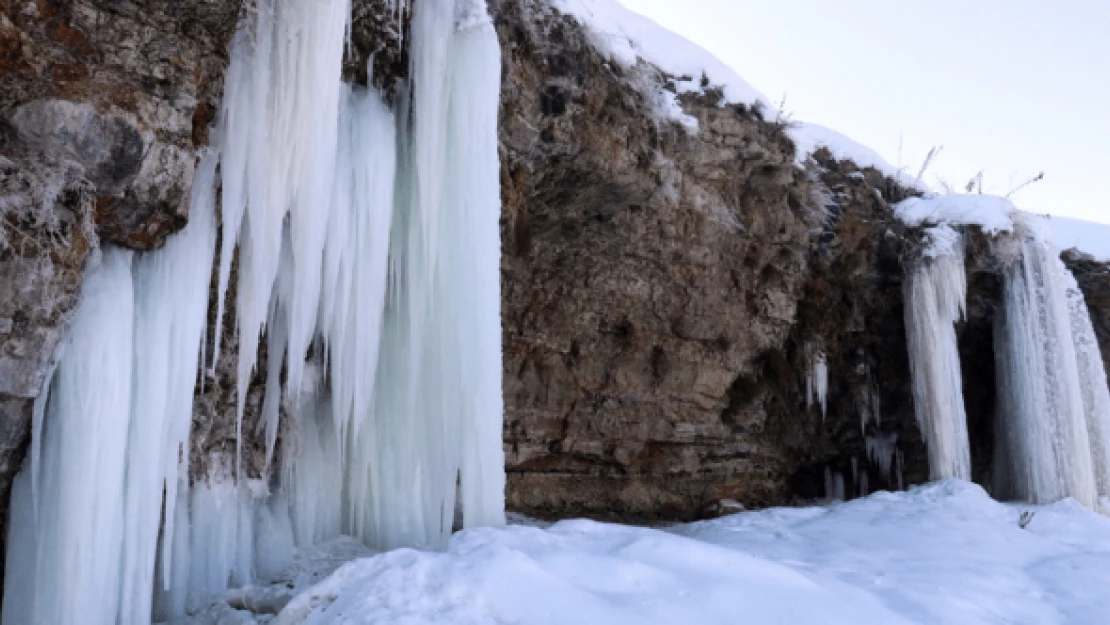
{"points": [[1009, 87]]}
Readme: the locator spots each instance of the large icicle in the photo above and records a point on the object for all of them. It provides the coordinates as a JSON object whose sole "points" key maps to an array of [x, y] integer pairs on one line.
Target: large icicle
{"points": [[474, 189], [935, 296], [433, 420], [67, 570], [116, 428], [171, 312], [1043, 451], [279, 138], [1092, 381]]}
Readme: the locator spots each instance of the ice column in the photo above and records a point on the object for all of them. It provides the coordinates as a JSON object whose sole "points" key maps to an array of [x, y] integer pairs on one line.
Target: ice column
{"points": [[78, 473], [1092, 381], [369, 254], [935, 295], [107, 447], [817, 379], [1043, 449]]}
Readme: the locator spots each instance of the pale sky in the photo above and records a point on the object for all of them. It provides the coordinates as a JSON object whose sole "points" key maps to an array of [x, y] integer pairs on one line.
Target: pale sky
{"points": [[1010, 87]]}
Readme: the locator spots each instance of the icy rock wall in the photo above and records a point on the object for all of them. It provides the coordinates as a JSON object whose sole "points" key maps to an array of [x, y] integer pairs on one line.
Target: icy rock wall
{"points": [[367, 251], [109, 435]]}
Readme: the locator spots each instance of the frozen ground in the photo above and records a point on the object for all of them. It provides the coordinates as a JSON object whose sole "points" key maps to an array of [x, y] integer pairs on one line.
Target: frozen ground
{"points": [[942, 553]]}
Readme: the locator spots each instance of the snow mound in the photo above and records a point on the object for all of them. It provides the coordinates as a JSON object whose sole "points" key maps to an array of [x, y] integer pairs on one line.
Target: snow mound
{"points": [[942, 553], [626, 37], [990, 212], [811, 137]]}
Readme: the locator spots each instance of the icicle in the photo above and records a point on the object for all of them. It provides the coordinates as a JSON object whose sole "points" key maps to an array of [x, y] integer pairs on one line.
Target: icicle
{"points": [[821, 382], [313, 472], [834, 485], [883, 452], [38, 416], [1092, 381], [171, 306], [935, 295], [133, 397], [19, 583], [475, 188], [1043, 449], [817, 378], [84, 455], [280, 134], [171, 593]]}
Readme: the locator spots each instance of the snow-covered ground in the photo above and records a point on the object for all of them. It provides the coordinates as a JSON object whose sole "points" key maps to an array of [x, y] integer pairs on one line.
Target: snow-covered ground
{"points": [[941, 553]]}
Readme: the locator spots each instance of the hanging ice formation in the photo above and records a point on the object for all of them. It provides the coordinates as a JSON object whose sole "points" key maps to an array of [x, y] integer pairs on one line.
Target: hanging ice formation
{"points": [[112, 435], [883, 452], [817, 379], [935, 299], [368, 249], [834, 485], [1054, 407]]}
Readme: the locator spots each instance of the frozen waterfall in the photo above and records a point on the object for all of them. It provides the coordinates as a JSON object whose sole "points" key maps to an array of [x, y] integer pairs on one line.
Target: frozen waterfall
{"points": [[368, 252], [1052, 419], [109, 442], [935, 294], [1046, 378]]}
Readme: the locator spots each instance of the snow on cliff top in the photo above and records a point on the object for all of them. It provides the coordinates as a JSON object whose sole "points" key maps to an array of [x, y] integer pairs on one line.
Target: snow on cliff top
{"points": [[940, 553], [995, 214], [990, 212], [627, 37]]}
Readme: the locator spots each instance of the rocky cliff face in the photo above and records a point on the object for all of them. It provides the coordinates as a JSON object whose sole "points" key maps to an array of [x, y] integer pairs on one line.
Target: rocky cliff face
{"points": [[666, 292]]}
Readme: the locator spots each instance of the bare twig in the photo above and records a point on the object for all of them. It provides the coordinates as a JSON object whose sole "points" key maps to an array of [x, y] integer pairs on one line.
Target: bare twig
{"points": [[1035, 179], [933, 152]]}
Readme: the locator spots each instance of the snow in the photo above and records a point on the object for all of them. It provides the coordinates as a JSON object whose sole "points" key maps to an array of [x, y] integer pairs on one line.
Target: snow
{"points": [[1086, 236], [942, 553], [996, 215], [810, 137], [992, 213], [627, 38]]}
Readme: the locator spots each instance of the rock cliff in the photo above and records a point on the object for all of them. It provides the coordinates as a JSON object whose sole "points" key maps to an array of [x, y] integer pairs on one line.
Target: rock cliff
{"points": [[666, 292]]}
